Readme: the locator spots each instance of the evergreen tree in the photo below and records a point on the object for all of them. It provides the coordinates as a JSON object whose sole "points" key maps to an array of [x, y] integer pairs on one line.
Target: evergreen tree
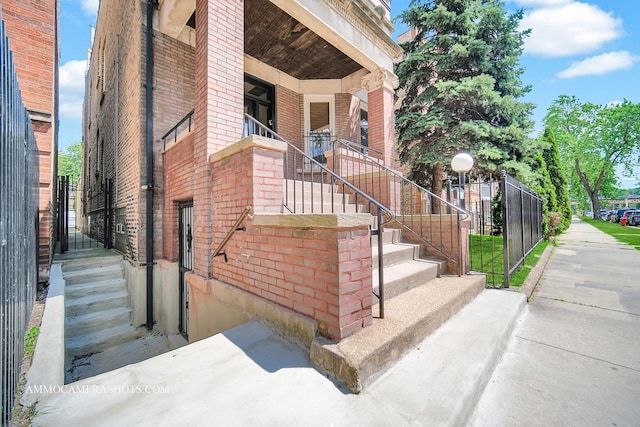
{"points": [[459, 84], [551, 156]]}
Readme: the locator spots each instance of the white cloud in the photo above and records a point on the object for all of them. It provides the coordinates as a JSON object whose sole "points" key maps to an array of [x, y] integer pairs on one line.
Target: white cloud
{"points": [[90, 7], [569, 29], [72, 88], [601, 64]]}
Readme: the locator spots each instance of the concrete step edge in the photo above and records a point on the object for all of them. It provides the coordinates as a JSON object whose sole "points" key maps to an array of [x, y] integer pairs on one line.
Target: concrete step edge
{"points": [[357, 369]]}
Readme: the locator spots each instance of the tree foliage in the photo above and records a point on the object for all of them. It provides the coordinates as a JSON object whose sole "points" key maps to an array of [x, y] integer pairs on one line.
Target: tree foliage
{"points": [[70, 160], [460, 81], [551, 157], [593, 140]]}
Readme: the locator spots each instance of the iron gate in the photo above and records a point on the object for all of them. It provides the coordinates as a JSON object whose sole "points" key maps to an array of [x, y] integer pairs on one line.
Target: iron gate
{"points": [[185, 230], [72, 231]]}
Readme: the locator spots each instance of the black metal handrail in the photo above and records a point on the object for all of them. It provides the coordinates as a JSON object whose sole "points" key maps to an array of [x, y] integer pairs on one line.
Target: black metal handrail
{"points": [[235, 227], [304, 169], [174, 130], [371, 175]]}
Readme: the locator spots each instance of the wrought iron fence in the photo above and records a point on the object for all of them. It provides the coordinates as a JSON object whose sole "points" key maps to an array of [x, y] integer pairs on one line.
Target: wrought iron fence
{"points": [[506, 225], [18, 225], [522, 223]]}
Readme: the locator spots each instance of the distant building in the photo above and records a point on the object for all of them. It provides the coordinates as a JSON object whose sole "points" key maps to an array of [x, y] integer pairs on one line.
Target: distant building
{"points": [[32, 27]]}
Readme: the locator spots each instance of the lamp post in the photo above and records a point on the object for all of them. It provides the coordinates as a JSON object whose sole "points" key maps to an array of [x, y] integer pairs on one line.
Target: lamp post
{"points": [[462, 163]]}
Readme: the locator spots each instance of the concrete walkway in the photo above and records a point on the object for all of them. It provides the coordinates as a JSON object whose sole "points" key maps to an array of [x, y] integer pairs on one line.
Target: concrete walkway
{"points": [[250, 376], [574, 359]]}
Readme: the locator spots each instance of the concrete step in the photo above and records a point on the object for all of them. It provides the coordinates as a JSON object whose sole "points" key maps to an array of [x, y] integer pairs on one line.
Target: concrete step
{"points": [[317, 196], [400, 278], [98, 302], [395, 253], [93, 274], [84, 263], [389, 235], [102, 339], [467, 349], [94, 321], [327, 208], [299, 186], [91, 288]]}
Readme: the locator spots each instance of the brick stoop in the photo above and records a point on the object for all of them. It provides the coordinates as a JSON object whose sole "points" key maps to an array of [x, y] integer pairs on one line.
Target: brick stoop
{"points": [[409, 318]]}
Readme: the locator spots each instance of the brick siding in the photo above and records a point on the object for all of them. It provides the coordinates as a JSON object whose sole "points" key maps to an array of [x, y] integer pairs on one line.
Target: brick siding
{"points": [[31, 27]]}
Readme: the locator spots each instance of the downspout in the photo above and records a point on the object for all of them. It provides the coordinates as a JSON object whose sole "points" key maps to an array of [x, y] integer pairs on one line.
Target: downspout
{"points": [[149, 185], [117, 120]]}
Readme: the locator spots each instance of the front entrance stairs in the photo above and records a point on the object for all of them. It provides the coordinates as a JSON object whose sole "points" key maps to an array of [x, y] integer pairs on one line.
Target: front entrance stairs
{"points": [[419, 296]]}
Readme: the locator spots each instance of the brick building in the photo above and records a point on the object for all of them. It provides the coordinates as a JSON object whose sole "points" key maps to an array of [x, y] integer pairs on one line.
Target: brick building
{"points": [[173, 158], [32, 27]]}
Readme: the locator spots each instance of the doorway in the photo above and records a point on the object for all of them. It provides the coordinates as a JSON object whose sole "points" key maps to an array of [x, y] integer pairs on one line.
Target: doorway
{"points": [[319, 128], [185, 242], [258, 101]]}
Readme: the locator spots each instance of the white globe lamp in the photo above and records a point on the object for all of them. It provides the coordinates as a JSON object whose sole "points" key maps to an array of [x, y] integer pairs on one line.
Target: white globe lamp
{"points": [[462, 163]]}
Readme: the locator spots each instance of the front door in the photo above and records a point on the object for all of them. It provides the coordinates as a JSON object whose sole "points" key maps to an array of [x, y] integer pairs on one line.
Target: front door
{"points": [[319, 118], [185, 230]]}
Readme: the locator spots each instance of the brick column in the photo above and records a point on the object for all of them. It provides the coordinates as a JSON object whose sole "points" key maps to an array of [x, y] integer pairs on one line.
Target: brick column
{"points": [[380, 86], [219, 66]]}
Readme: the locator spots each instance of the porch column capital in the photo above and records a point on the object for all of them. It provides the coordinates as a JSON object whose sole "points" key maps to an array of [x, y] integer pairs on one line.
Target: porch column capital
{"points": [[380, 78]]}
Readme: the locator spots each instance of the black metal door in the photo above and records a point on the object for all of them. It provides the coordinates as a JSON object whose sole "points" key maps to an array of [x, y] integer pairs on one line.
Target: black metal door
{"points": [[185, 226]]}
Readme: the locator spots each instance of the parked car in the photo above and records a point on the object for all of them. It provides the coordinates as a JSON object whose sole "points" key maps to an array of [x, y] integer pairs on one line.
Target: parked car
{"points": [[603, 214], [634, 219], [627, 214], [616, 217], [610, 214]]}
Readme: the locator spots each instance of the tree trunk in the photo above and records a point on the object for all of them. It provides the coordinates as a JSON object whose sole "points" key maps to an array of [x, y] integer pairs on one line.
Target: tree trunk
{"points": [[436, 187], [595, 204]]}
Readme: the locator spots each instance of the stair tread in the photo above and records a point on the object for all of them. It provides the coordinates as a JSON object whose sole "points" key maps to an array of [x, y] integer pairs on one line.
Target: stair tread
{"points": [[103, 296], [98, 314], [92, 270], [95, 339], [97, 283]]}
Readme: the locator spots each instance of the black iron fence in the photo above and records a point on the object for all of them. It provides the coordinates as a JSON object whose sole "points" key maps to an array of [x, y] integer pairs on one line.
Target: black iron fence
{"points": [[506, 225], [18, 225]]}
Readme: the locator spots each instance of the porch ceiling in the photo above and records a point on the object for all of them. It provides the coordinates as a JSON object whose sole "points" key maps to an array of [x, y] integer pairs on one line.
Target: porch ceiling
{"points": [[275, 38]]}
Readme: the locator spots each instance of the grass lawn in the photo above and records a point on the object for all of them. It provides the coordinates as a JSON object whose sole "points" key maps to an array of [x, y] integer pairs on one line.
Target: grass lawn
{"points": [[628, 235], [485, 255]]}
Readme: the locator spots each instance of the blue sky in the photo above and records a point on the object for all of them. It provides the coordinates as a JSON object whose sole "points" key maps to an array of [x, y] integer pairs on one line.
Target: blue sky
{"points": [[590, 49]]}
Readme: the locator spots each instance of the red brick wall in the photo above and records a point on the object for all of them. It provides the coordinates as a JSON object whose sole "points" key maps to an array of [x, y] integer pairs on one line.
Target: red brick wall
{"points": [[290, 122], [178, 175], [173, 98], [219, 102], [348, 117], [31, 27], [122, 18], [322, 272], [382, 124]]}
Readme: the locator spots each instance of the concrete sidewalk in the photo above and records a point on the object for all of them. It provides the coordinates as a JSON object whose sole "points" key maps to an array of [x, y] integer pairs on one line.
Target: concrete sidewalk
{"points": [[574, 359]]}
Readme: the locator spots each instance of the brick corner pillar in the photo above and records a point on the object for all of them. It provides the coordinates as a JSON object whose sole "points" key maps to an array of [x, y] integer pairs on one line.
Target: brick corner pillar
{"points": [[380, 86], [218, 119]]}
